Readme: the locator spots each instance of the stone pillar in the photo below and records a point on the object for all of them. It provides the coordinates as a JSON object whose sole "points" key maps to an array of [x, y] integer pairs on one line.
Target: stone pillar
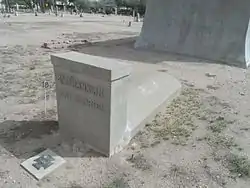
{"points": [[138, 17], [215, 29], [64, 7], [92, 99], [56, 11], [134, 15]]}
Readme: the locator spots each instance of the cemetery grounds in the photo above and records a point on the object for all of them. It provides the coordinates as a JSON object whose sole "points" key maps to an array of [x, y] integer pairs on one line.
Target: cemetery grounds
{"points": [[201, 140]]}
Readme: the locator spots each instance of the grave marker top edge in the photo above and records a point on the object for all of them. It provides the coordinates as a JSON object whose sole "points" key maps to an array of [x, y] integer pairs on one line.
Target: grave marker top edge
{"points": [[99, 67]]}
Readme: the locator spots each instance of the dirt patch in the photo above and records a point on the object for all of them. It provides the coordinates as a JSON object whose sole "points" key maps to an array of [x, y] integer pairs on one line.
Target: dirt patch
{"points": [[117, 183], [200, 140], [138, 161], [177, 122], [239, 165], [27, 129]]}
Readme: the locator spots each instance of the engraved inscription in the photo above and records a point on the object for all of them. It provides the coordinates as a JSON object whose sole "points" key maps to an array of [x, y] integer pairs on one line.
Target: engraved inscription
{"points": [[44, 162], [76, 83], [82, 100]]}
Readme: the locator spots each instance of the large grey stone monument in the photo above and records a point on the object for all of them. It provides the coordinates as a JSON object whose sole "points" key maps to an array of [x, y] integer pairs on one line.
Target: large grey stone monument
{"points": [[104, 102], [211, 29]]}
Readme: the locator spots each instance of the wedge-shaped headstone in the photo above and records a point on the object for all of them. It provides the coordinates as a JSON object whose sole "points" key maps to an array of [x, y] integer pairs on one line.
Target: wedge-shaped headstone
{"points": [[92, 98]]}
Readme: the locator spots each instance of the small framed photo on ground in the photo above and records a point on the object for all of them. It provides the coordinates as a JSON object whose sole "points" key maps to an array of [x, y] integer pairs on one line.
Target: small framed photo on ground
{"points": [[42, 164]]}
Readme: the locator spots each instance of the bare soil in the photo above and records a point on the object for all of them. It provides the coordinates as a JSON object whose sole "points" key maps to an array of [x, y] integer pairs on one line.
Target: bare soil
{"points": [[201, 140]]}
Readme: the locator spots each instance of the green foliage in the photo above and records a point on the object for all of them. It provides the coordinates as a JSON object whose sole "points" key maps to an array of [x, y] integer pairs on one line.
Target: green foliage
{"points": [[131, 3], [138, 5], [239, 165], [82, 4], [118, 183], [108, 3]]}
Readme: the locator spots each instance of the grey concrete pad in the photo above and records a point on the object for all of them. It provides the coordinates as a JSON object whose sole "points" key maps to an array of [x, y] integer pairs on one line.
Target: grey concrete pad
{"points": [[42, 164], [149, 91]]}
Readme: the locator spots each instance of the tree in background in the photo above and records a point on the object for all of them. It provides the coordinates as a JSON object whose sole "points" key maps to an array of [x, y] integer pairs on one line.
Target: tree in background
{"points": [[108, 6], [108, 3], [82, 4], [7, 5], [27, 3], [137, 5]]}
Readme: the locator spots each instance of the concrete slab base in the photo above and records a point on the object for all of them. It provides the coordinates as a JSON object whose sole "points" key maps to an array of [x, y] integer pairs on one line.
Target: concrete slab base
{"points": [[150, 91]]}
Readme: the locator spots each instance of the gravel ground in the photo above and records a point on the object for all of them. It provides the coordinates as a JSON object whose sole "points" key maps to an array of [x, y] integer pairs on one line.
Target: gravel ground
{"points": [[202, 139]]}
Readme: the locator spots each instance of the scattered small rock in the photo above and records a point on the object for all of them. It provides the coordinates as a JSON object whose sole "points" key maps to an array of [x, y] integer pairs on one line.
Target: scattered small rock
{"points": [[45, 45], [163, 70], [133, 146], [242, 94], [245, 129], [212, 87], [210, 75], [138, 161], [155, 143], [84, 41], [32, 68], [189, 84]]}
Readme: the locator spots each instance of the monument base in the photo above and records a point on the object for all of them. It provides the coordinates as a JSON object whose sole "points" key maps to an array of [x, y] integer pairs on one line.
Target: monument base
{"points": [[149, 93], [216, 29]]}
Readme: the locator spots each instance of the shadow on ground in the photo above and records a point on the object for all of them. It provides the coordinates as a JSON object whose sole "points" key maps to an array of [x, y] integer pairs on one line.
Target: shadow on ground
{"points": [[24, 139], [124, 49]]}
